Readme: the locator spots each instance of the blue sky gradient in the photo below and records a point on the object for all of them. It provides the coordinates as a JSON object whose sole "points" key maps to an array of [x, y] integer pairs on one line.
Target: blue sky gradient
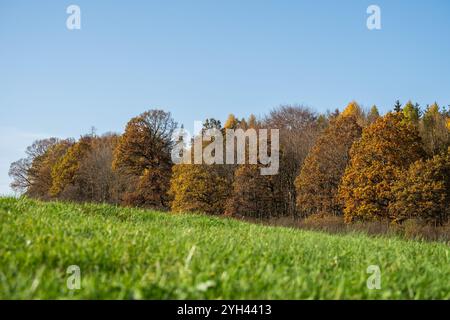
{"points": [[202, 59]]}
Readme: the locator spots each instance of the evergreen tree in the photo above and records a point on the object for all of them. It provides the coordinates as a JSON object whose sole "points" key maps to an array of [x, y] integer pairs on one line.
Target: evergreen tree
{"points": [[212, 123], [397, 106]]}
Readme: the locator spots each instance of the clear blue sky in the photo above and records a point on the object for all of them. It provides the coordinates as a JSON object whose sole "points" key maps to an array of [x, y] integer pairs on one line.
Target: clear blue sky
{"points": [[202, 59]]}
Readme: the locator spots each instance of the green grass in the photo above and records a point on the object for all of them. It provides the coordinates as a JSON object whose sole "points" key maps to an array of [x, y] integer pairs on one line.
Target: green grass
{"points": [[136, 254]]}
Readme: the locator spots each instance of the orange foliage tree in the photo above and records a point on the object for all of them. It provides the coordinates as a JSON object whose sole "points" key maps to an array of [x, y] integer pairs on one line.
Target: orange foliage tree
{"points": [[382, 155], [320, 176], [424, 191], [143, 153]]}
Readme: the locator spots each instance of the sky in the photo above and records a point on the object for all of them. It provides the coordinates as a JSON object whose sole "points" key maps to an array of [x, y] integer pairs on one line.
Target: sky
{"points": [[200, 59]]}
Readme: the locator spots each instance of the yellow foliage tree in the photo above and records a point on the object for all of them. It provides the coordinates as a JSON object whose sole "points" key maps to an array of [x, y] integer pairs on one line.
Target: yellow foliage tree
{"points": [[231, 122], [373, 115], [321, 173], [201, 187], [411, 112], [352, 109], [65, 169], [382, 155], [434, 131], [424, 191], [197, 188]]}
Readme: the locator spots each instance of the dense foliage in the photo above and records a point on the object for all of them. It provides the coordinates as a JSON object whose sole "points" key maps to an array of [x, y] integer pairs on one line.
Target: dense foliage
{"points": [[377, 160], [321, 174], [358, 165]]}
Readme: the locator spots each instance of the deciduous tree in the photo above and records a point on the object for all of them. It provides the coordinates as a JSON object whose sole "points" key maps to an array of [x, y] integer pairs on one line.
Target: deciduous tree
{"points": [[65, 169], [255, 195], [382, 155], [198, 188], [321, 174], [424, 191], [434, 131], [373, 115], [32, 175], [95, 181], [299, 129], [201, 187], [411, 112], [144, 152]]}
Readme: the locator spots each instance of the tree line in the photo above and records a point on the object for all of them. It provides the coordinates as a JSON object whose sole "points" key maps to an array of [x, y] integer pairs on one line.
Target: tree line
{"points": [[355, 164]]}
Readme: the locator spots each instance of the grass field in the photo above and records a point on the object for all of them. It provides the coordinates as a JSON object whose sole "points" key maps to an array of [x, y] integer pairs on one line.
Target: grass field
{"points": [[137, 254]]}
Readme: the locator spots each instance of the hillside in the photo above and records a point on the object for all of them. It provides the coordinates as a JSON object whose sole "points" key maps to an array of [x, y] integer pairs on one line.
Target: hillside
{"points": [[138, 254]]}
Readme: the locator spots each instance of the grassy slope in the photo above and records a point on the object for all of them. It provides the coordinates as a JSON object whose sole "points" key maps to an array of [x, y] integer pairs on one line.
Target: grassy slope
{"points": [[129, 253]]}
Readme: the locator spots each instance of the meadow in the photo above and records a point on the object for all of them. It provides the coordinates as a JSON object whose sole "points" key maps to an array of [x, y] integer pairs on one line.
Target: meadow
{"points": [[126, 253]]}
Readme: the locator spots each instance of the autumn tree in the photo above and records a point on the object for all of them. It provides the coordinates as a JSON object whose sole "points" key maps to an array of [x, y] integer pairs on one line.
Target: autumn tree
{"points": [[42, 168], [434, 130], [320, 175], [252, 122], [299, 129], [146, 143], [144, 153], [382, 155], [252, 193], [411, 113], [65, 169], [69, 170], [32, 175], [231, 123], [255, 195], [200, 187], [355, 110], [373, 115], [423, 192], [21, 171], [95, 181]]}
